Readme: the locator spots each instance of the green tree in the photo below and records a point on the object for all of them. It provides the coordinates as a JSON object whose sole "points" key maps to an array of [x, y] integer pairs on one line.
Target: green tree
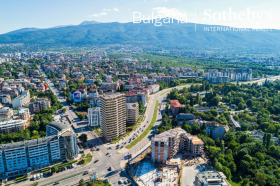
{"points": [[244, 127], [260, 178], [82, 182], [122, 88], [195, 129], [227, 172], [83, 138], [187, 127], [266, 140], [54, 169]]}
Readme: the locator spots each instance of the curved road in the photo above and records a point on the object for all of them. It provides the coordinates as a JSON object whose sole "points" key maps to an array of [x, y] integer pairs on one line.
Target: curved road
{"points": [[115, 161]]}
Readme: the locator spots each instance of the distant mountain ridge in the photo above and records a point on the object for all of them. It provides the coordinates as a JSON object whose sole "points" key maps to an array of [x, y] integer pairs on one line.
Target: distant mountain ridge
{"points": [[167, 35]]}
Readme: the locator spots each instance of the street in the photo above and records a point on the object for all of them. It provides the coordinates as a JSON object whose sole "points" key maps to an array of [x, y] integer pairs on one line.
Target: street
{"points": [[116, 160]]}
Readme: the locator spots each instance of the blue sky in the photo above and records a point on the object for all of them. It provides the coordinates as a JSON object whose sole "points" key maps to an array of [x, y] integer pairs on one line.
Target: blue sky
{"points": [[16, 14]]}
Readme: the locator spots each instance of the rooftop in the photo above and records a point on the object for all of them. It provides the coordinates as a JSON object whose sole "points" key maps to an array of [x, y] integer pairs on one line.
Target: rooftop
{"points": [[111, 95], [58, 126], [185, 116], [163, 137], [176, 103], [11, 146], [197, 140], [132, 106], [215, 178]]}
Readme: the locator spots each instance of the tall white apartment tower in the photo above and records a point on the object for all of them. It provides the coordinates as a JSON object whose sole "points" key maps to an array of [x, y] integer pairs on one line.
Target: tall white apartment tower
{"points": [[94, 116], [113, 115]]}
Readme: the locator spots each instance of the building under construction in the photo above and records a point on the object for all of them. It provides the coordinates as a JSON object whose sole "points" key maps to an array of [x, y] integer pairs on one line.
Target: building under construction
{"points": [[167, 144]]}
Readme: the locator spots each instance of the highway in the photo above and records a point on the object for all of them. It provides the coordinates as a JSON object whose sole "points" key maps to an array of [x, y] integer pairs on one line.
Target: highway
{"points": [[116, 160]]}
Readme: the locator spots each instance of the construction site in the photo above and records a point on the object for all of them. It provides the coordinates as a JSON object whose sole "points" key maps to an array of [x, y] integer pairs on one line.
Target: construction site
{"points": [[177, 171], [148, 174]]}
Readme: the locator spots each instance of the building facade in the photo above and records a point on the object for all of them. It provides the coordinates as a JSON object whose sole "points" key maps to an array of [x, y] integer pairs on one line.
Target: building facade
{"points": [[13, 126], [167, 144], [22, 157], [24, 114], [39, 106], [26, 156], [22, 100], [113, 115], [215, 131], [175, 106], [6, 114], [132, 113], [238, 74], [94, 116]]}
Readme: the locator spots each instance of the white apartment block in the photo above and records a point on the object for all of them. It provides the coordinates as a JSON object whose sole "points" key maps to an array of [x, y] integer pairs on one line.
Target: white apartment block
{"points": [[94, 116], [22, 100]]}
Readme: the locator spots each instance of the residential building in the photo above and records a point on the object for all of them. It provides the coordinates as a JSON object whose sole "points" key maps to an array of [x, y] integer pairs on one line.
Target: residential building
{"points": [[132, 113], [13, 126], [175, 106], [154, 88], [39, 106], [67, 138], [22, 100], [215, 131], [94, 98], [22, 157], [208, 178], [6, 114], [181, 117], [94, 116], [113, 115], [238, 74], [24, 114], [106, 87], [5, 98], [167, 144]]}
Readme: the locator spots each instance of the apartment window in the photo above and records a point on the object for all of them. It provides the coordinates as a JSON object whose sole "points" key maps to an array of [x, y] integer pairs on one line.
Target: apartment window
{"points": [[162, 144], [156, 143]]}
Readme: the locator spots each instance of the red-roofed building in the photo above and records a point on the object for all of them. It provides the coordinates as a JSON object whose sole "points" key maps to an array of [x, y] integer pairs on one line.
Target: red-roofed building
{"points": [[175, 106]]}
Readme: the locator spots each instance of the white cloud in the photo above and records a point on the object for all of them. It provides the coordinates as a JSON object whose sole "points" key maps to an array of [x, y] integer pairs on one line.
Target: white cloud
{"points": [[170, 12], [110, 10], [104, 12], [99, 14]]}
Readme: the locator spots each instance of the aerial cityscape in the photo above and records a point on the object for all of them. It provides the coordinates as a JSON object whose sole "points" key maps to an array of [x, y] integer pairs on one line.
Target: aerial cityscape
{"points": [[148, 93]]}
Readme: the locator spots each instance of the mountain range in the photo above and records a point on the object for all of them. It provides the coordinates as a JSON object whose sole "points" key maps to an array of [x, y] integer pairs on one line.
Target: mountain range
{"points": [[186, 35]]}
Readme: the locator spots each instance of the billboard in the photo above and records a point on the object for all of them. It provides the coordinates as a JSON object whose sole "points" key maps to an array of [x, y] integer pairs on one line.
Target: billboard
{"points": [[77, 97]]}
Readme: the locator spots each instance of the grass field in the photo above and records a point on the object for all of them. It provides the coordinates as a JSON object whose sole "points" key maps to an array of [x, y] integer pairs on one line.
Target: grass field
{"points": [[88, 158], [234, 183], [148, 129]]}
